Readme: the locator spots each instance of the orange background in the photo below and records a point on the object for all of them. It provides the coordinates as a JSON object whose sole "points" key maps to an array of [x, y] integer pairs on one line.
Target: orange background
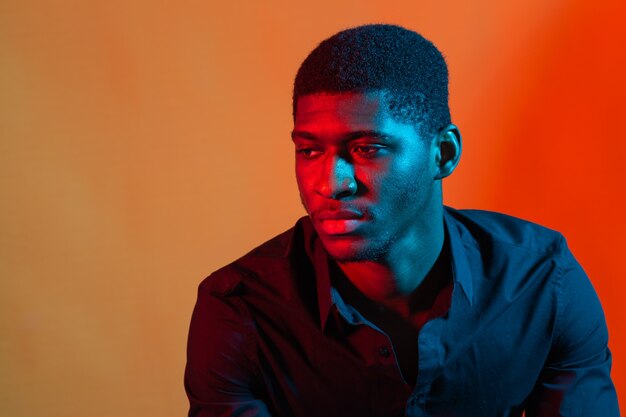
{"points": [[144, 144]]}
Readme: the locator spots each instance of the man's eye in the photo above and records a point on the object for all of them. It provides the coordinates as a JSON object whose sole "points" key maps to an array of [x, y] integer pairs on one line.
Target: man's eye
{"points": [[366, 150], [308, 152]]}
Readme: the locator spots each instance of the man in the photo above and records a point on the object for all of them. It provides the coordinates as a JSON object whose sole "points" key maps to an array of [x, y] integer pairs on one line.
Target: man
{"points": [[383, 302]]}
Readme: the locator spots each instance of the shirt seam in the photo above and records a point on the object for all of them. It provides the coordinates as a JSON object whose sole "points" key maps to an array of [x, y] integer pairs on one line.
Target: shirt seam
{"points": [[555, 248], [559, 294], [251, 342]]}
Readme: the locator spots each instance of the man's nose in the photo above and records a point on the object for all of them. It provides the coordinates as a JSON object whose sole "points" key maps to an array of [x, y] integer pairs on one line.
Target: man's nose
{"points": [[337, 179]]}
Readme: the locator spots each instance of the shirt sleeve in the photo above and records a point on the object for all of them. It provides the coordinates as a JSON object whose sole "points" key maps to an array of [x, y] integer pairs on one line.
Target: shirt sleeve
{"points": [[221, 371], [576, 378]]}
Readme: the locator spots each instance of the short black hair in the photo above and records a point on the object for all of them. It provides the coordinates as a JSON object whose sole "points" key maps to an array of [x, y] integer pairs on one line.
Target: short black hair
{"points": [[401, 63]]}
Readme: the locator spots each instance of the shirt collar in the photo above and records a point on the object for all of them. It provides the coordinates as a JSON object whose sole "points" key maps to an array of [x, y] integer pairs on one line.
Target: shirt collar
{"points": [[461, 270], [319, 258], [304, 234]]}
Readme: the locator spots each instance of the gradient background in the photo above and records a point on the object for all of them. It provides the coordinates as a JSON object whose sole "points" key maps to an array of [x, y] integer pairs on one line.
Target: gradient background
{"points": [[144, 144]]}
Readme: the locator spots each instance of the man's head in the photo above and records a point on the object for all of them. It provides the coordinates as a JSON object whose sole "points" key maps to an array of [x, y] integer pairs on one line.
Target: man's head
{"points": [[406, 67], [373, 140]]}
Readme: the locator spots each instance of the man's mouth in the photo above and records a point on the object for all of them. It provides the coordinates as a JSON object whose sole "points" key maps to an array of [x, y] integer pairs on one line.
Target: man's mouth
{"points": [[339, 222]]}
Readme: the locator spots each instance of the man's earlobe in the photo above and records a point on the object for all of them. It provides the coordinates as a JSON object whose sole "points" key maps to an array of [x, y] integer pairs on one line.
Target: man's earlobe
{"points": [[449, 146]]}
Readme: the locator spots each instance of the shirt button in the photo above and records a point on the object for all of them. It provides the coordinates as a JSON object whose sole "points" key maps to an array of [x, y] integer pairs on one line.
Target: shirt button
{"points": [[384, 352]]}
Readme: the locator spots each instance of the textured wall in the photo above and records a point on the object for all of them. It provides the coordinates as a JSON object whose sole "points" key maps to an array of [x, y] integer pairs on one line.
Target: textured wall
{"points": [[145, 143]]}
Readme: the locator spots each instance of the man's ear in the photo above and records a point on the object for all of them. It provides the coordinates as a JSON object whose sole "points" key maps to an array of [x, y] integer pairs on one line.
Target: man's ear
{"points": [[448, 150]]}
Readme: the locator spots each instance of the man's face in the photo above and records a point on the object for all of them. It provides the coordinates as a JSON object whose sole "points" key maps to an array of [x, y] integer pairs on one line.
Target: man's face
{"points": [[367, 180]]}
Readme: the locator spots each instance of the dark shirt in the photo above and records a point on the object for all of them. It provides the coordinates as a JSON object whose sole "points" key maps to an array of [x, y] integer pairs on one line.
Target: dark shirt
{"points": [[523, 330]]}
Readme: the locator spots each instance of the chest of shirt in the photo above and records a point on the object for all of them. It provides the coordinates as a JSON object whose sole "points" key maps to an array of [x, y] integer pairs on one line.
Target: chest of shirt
{"points": [[484, 356]]}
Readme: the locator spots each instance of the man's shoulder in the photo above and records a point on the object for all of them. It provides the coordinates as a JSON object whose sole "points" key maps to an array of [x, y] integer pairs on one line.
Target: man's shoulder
{"points": [[507, 257], [497, 229], [273, 258]]}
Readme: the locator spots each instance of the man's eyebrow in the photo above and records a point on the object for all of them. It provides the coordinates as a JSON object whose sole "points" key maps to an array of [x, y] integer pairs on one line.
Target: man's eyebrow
{"points": [[374, 134], [349, 136], [303, 135]]}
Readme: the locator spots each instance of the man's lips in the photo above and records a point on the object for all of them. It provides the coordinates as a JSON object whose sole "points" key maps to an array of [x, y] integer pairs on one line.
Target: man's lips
{"points": [[339, 222], [343, 214]]}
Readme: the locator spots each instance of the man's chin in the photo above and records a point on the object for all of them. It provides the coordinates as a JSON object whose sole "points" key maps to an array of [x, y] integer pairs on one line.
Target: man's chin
{"points": [[349, 250]]}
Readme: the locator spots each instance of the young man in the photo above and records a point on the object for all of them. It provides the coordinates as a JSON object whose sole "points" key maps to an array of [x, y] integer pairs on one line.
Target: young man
{"points": [[383, 302]]}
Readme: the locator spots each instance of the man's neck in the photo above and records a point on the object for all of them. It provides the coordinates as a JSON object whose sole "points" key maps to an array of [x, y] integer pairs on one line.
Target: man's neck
{"points": [[391, 281]]}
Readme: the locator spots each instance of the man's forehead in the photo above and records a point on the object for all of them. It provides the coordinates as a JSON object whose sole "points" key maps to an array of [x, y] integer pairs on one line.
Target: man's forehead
{"points": [[341, 116], [350, 107]]}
